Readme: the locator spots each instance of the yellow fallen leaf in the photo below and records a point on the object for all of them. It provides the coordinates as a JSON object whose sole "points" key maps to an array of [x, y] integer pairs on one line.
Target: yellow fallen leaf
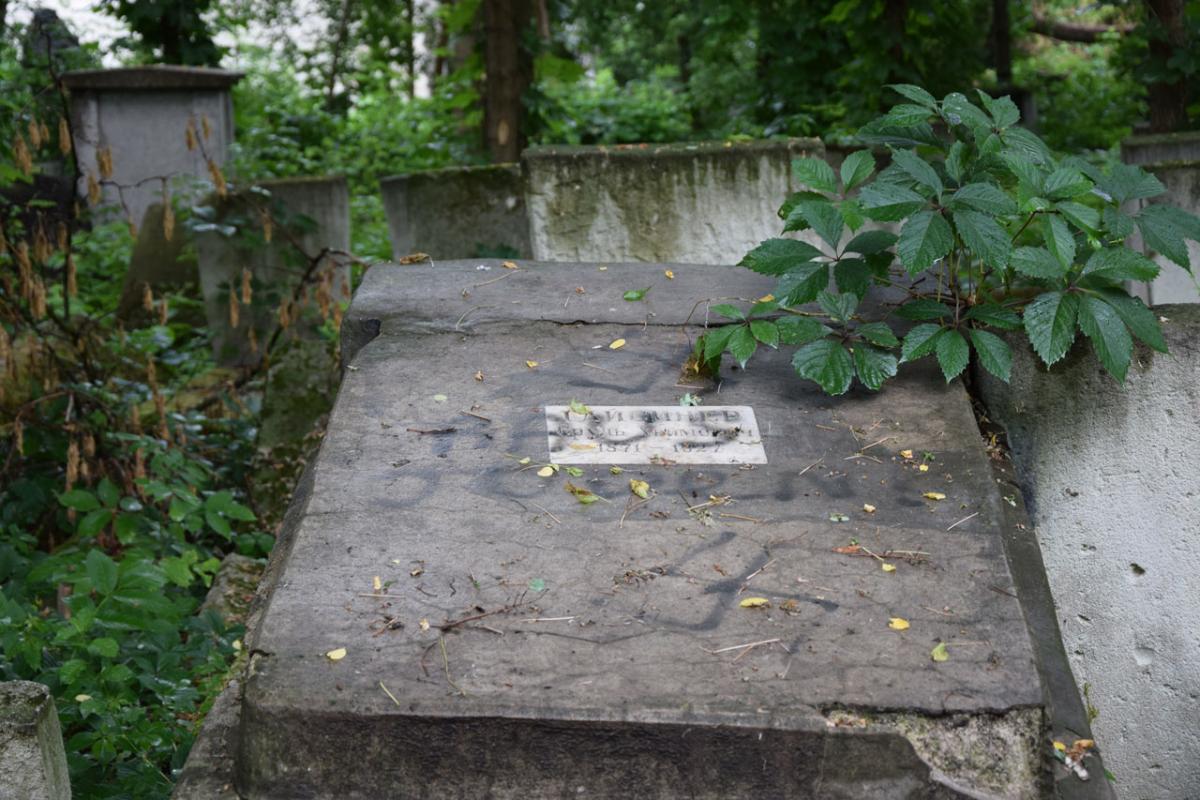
{"points": [[1060, 747], [509, 265], [583, 445], [933, 495], [867, 507], [336, 655], [531, 364], [546, 471], [525, 460], [906, 454], [576, 407], [889, 567], [755, 602], [766, 298], [898, 624], [923, 468], [604, 269], [82, 698], [670, 274], [423, 624], [479, 375], [940, 653], [640, 488], [376, 584], [617, 344], [615, 470], [237, 645]]}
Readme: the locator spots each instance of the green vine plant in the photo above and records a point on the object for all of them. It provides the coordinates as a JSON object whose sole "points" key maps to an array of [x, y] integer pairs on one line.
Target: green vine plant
{"points": [[995, 235]]}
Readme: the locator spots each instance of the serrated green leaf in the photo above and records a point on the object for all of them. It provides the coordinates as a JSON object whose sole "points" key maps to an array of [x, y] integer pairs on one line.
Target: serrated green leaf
{"points": [[1165, 229], [1027, 144], [104, 647], [1059, 240], [924, 308], [873, 366], [838, 306], [924, 239], [984, 237], [1030, 175], [1050, 324], [794, 199], [920, 342], [878, 333], [824, 218], [1118, 223], [716, 341], [815, 173], [1065, 183], [101, 571], [958, 110], [1079, 215], [994, 353], [728, 311], [1140, 320], [852, 213], [1037, 262], [79, 499], [742, 345], [777, 256], [800, 330], [1003, 110], [906, 115], [765, 332], [870, 242], [889, 202], [983, 197], [764, 307], [914, 93], [856, 168], [108, 493], [956, 161], [1120, 264], [918, 169], [952, 354], [801, 284], [1126, 182], [1100, 322], [827, 363], [95, 521], [996, 316], [852, 275]]}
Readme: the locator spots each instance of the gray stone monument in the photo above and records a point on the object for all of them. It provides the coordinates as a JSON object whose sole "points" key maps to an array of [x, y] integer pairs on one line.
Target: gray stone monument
{"points": [[33, 765], [462, 212], [140, 116], [484, 588]]}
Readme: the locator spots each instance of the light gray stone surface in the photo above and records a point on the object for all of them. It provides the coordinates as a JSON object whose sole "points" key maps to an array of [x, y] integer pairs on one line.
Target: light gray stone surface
{"points": [[703, 203], [33, 765], [591, 659], [141, 114], [1112, 477], [462, 212], [310, 215], [157, 262]]}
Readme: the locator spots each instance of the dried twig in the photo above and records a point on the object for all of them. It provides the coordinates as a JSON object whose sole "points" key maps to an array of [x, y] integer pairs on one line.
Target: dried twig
{"points": [[961, 521], [389, 694]]}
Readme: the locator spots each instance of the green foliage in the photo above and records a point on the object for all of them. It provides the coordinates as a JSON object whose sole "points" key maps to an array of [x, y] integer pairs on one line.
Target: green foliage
{"points": [[995, 234]]}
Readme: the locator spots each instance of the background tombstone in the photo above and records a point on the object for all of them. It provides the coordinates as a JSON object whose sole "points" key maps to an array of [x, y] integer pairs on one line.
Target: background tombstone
{"points": [[461, 212], [141, 115], [33, 765], [1175, 159], [157, 262]]}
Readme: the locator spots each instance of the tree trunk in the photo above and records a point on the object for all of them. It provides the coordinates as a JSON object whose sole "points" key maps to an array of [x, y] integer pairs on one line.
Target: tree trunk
{"points": [[509, 70], [339, 44], [1002, 43], [1168, 99], [410, 20]]}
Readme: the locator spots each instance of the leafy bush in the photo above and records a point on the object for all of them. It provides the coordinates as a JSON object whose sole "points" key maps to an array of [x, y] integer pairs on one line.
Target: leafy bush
{"points": [[996, 235]]}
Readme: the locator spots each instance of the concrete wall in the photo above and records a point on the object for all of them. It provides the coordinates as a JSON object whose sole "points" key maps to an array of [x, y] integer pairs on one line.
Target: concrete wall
{"points": [[1115, 494], [141, 115], [310, 214], [462, 212], [702, 203], [33, 764], [1175, 159]]}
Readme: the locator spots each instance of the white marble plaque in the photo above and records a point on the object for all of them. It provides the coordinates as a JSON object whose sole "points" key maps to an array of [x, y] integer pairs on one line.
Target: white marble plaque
{"points": [[645, 434]]}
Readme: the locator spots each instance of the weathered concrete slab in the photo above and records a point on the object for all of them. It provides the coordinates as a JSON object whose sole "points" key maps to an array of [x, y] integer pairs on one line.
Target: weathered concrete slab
{"points": [[33, 765], [521, 643]]}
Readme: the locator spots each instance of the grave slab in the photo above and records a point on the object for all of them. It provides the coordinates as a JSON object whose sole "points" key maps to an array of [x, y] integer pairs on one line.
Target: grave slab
{"points": [[515, 631]]}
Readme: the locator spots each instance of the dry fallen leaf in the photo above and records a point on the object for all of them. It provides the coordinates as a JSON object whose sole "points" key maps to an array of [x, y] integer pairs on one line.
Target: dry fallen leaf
{"points": [[585, 496], [582, 445], [525, 460], [755, 602], [509, 265], [336, 655], [576, 407], [867, 507], [906, 454], [640, 488], [790, 606], [82, 698], [923, 468], [933, 495], [604, 269], [423, 624], [546, 471], [939, 653], [1060, 747], [414, 258], [889, 567], [615, 470], [848, 550], [531, 364], [617, 344], [898, 624], [376, 584], [479, 375], [670, 274]]}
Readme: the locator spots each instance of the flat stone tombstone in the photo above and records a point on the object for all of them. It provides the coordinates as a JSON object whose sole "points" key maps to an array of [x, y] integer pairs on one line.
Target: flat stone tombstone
{"points": [[468, 602]]}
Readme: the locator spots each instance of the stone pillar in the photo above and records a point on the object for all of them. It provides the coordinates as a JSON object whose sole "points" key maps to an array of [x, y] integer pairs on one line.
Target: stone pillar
{"points": [[141, 115], [1175, 159], [699, 203], [308, 216], [461, 212], [33, 764]]}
